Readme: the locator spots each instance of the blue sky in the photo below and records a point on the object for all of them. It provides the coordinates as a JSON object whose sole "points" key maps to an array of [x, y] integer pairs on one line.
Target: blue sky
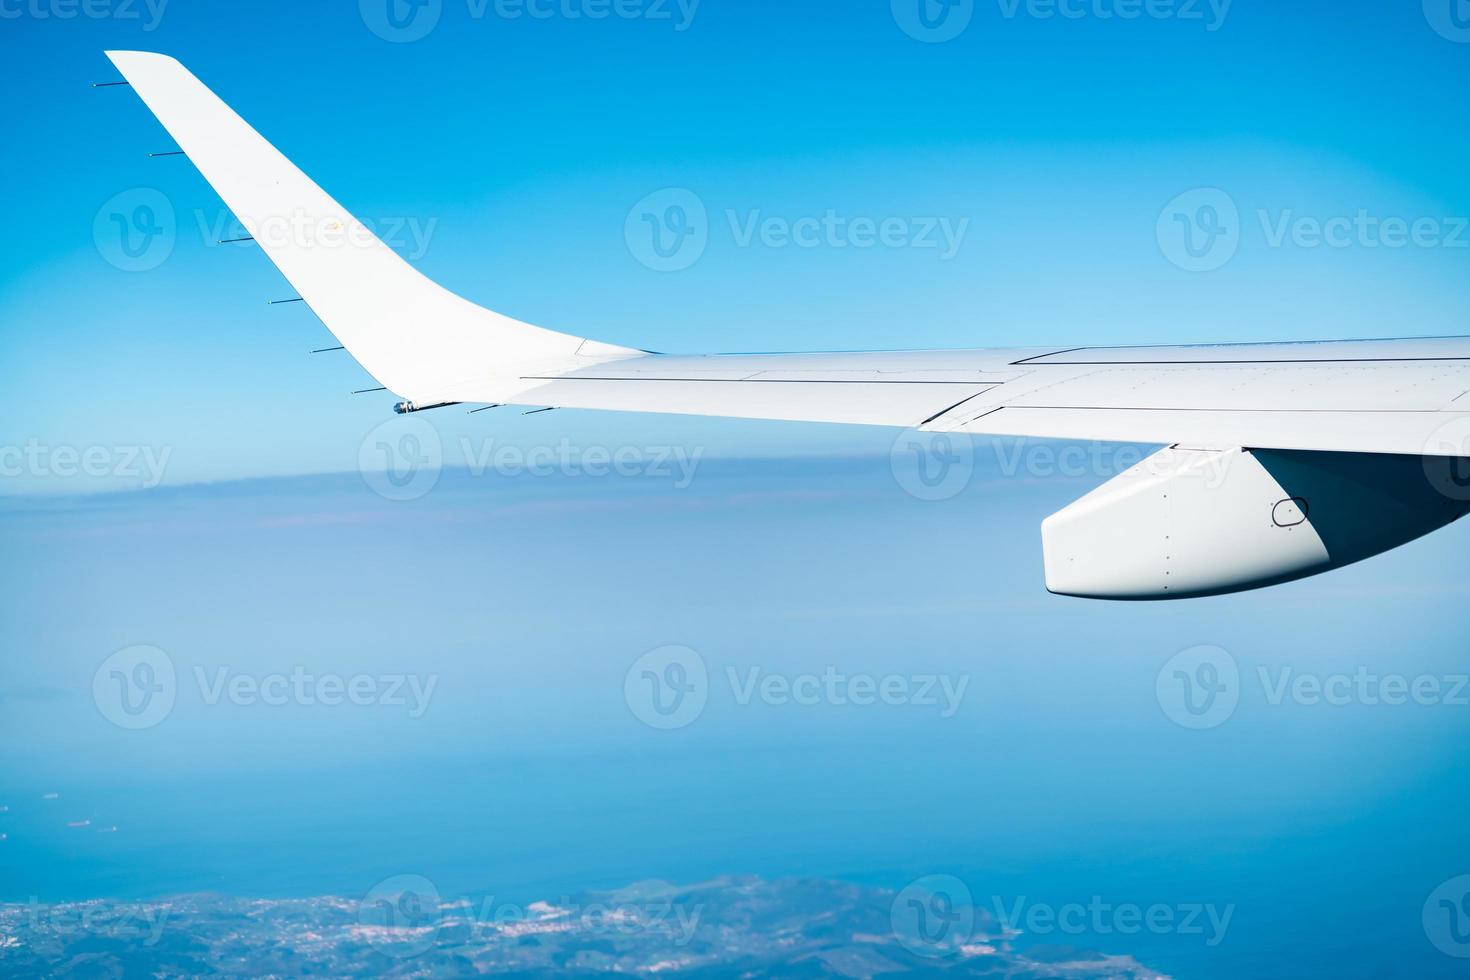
{"points": [[1067, 147]]}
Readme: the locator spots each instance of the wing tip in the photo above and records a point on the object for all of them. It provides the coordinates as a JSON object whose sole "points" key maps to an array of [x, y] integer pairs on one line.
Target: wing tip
{"points": [[125, 60]]}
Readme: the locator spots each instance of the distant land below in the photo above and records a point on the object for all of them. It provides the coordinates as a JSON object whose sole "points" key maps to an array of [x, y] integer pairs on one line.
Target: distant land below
{"points": [[744, 926]]}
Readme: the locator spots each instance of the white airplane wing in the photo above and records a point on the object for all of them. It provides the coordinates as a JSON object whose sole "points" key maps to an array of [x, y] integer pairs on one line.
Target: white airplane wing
{"points": [[1388, 396], [1264, 407]]}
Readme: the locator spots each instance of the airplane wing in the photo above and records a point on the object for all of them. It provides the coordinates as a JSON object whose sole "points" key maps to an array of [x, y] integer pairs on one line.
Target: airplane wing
{"points": [[1383, 396], [1368, 399]]}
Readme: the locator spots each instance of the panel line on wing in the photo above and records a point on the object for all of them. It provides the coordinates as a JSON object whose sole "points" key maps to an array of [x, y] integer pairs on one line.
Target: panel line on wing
{"points": [[951, 408], [1276, 411], [785, 381]]}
